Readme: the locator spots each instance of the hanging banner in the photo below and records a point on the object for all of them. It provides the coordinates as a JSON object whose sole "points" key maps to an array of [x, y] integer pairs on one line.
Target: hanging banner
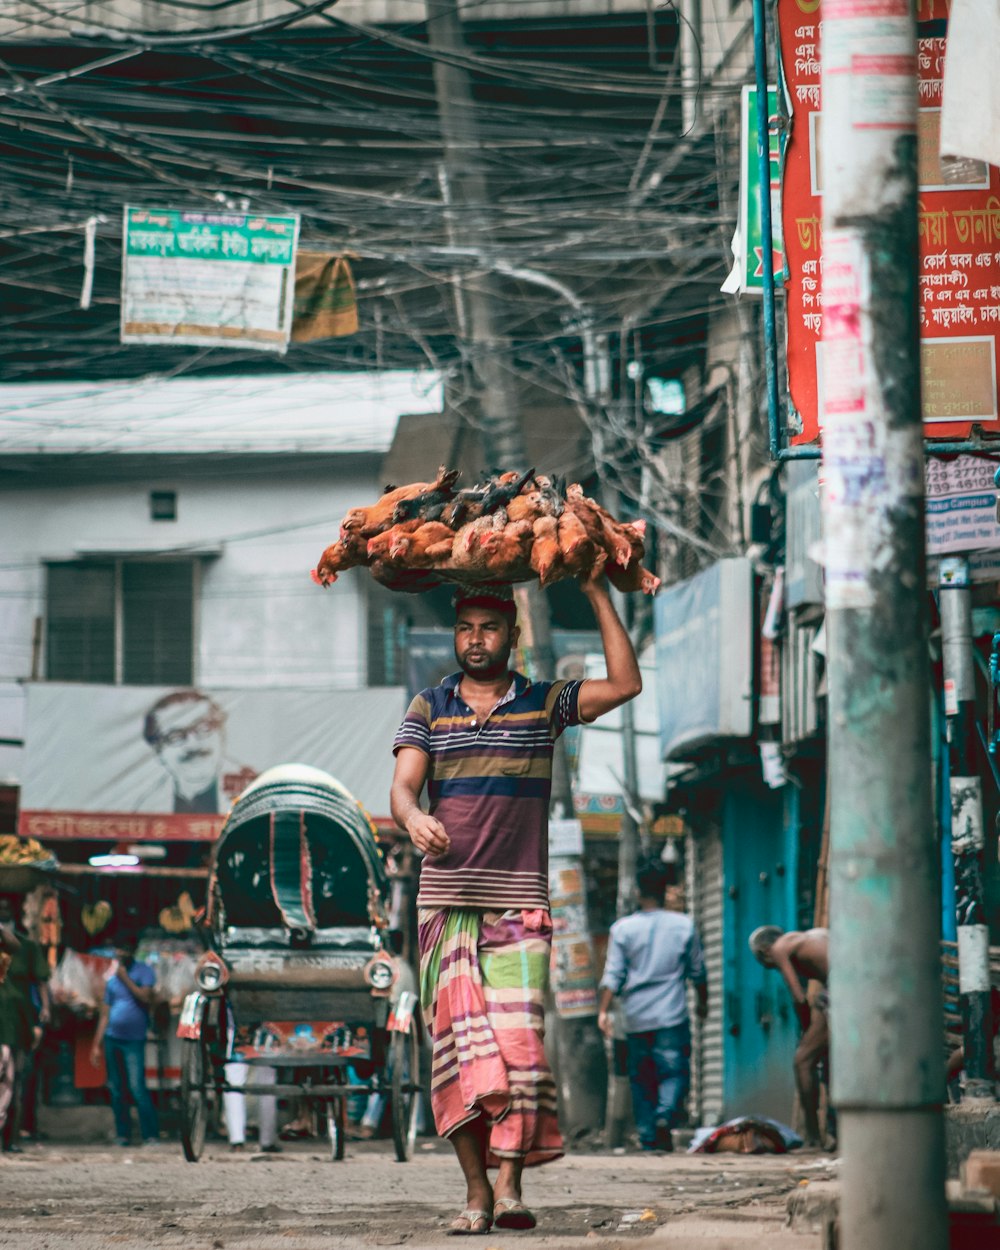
{"points": [[208, 279], [134, 763], [748, 242], [959, 240]]}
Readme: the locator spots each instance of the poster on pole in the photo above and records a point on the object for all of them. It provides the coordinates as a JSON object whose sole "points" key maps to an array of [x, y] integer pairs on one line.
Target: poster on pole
{"points": [[747, 274], [959, 240], [572, 964], [208, 279]]}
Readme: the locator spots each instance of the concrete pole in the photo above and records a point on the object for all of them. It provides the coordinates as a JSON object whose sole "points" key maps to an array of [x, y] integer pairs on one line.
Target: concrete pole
{"points": [[886, 1017], [628, 839], [967, 838], [467, 196], [580, 1063]]}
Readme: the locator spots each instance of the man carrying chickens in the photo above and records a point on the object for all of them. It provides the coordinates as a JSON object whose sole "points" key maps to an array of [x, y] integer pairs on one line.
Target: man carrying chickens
{"points": [[483, 741]]}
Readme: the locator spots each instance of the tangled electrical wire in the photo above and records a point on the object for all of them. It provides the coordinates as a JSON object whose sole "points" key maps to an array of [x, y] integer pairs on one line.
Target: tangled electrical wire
{"points": [[302, 110]]}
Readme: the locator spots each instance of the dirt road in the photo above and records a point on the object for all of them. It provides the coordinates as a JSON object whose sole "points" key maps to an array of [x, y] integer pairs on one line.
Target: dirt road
{"points": [[87, 1197]]}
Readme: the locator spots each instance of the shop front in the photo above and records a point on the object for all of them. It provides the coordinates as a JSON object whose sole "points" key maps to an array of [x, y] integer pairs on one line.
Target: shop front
{"points": [[124, 792]]}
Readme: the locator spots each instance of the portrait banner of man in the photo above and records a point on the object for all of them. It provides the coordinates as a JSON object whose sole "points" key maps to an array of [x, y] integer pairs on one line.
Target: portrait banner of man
{"points": [[153, 763], [186, 729]]}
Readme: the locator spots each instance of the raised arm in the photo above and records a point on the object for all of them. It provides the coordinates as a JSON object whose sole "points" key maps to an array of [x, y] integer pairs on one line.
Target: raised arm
{"points": [[145, 994], [624, 681], [426, 833]]}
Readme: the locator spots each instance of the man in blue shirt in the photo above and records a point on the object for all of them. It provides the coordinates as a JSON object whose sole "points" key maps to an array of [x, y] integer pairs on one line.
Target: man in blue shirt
{"points": [[122, 1027], [651, 954]]}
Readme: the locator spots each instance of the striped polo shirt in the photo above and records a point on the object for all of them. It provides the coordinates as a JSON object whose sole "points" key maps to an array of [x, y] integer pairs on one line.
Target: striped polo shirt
{"points": [[488, 783]]}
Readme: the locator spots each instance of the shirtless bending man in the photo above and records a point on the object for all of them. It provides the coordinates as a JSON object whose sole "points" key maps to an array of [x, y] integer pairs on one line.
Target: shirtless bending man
{"points": [[801, 958]]}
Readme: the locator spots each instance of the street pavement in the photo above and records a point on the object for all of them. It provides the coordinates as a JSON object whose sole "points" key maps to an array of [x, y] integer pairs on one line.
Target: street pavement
{"points": [[89, 1197]]}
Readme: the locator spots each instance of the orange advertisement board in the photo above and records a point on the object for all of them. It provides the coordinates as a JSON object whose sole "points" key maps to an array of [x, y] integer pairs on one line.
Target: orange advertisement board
{"points": [[959, 238]]}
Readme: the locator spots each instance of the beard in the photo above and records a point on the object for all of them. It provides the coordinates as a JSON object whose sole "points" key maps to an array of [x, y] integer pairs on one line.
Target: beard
{"points": [[485, 667]]}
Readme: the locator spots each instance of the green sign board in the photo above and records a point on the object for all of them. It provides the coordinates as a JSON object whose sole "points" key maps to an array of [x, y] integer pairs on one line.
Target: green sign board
{"points": [[208, 278], [748, 246]]}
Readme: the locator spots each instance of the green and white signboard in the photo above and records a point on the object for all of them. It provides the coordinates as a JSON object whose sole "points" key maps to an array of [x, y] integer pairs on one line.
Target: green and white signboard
{"points": [[209, 279], [748, 243]]}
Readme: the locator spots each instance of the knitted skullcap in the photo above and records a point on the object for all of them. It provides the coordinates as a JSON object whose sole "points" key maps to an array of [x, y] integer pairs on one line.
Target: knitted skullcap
{"points": [[496, 596]]}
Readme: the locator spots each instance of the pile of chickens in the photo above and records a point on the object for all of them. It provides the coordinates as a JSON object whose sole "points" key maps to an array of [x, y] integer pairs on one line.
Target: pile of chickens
{"points": [[510, 528]]}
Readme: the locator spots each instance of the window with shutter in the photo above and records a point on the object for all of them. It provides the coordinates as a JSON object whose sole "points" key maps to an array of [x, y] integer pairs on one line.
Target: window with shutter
{"points": [[121, 622], [386, 639], [80, 634], [157, 623]]}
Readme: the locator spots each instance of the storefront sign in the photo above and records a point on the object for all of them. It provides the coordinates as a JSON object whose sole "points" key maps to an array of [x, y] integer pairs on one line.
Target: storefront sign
{"points": [[143, 763], [959, 236], [210, 279], [962, 505]]}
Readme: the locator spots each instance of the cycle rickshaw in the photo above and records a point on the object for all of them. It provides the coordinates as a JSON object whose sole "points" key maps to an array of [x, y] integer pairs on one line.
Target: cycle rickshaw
{"points": [[299, 965]]}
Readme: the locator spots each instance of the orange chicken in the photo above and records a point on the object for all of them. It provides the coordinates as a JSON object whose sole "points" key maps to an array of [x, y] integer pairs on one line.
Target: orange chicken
{"points": [[380, 546], [338, 556], [373, 520], [602, 527], [546, 557], [467, 554], [579, 552], [635, 577], [507, 551], [527, 507], [426, 546]]}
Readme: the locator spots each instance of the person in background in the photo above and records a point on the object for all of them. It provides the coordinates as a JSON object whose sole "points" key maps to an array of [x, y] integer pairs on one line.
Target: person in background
{"points": [[121, 1028], [31, 1077], [801, 958], [8, 946], [651, 956], [20, 1020], [239, 1072]]}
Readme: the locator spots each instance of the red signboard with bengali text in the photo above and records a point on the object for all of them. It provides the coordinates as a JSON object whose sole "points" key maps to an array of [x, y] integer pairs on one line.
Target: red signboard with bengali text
{"points": [[959, 236]]}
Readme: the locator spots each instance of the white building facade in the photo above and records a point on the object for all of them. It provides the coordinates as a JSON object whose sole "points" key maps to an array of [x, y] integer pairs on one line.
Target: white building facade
{"points": [[152, 558]]}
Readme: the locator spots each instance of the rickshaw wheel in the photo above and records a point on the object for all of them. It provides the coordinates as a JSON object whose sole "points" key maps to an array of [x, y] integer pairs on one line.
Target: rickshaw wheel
{"points": [[194, 1099], [404, 1059], [336, 1126]]}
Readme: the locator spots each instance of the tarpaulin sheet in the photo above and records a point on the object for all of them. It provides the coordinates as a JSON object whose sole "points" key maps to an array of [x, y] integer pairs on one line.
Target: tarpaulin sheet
{"points": [[128, 763]]}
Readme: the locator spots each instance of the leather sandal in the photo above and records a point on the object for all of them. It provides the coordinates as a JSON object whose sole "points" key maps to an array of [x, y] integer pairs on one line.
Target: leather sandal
{"points": [[512, 1213], [471, 1217]]}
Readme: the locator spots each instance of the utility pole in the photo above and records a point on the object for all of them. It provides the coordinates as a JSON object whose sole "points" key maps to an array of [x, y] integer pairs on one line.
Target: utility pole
{"points": [[885, 962], [628, 838], [967, 838], [579, 1047], [499, 393]]}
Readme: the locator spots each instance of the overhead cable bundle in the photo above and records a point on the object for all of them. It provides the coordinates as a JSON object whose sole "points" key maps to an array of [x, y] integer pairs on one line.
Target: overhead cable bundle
{"points": [[511, 527]]}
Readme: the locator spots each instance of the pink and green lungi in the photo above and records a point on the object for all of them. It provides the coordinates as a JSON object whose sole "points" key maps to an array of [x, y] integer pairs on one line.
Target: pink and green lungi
{"points": [[483, 977]]}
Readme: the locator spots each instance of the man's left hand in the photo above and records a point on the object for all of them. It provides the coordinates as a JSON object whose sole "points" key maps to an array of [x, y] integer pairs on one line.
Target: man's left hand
{"points": [[595, 583]]}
